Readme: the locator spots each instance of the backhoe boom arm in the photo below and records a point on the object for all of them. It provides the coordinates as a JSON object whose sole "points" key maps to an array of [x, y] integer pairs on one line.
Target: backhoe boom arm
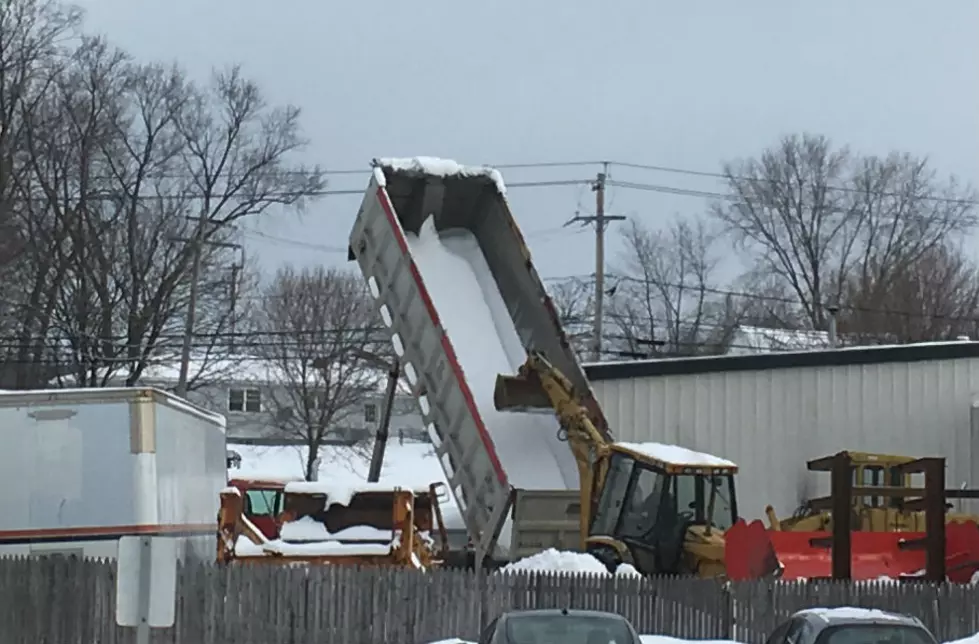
{"points": [[539, 385]]}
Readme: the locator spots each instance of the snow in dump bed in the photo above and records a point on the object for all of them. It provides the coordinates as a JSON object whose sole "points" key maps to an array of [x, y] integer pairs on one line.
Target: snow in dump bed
{"points": [[442, 168], [677, 455], [552, 560], [476, 320]]}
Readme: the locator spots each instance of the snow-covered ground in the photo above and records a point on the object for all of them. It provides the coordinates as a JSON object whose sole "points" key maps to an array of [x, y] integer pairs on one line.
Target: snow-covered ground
{"points": [[412, 465]]}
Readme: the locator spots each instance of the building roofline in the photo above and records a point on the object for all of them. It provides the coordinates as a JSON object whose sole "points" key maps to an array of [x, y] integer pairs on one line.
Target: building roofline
{"points": [[783, 360]]}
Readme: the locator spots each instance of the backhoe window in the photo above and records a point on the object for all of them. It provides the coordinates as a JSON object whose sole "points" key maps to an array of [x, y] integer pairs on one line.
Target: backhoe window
{"points": [[690, 496], [641, 509], [610, 504]]}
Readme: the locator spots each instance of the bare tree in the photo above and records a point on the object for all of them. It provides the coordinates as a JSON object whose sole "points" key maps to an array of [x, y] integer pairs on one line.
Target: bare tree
{"points": [[31, 35], [126, 175], [812, 217], [317, 334], [935, 297], [665, 302], [573, 300]]}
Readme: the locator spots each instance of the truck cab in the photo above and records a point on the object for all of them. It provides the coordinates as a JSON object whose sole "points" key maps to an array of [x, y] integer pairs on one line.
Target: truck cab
{"points": [[664, 510], [262, 501]]}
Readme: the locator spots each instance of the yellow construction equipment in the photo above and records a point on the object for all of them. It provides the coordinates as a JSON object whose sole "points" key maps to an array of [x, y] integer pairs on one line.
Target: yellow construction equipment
{"points": [[660, 508], [870, 513], [373, 526]]}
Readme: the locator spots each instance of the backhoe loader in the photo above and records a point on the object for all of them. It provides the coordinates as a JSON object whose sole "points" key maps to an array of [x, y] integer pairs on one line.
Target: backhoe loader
{"points": [[660, 508], [870, 513]]}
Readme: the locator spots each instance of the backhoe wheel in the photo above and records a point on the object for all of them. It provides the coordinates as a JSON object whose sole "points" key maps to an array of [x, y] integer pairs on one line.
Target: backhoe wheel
{"points": [[608, 558]]}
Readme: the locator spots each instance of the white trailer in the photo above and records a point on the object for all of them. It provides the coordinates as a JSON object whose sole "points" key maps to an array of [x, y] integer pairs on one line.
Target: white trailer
{"points": [[83, 467]]}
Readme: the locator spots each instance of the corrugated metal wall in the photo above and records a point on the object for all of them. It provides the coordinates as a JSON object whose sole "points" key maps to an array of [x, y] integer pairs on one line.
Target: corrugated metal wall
{"points": [[772, 421]]}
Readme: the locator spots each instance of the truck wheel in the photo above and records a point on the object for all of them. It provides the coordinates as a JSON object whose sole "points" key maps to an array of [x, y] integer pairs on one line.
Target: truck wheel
{"points": [[608, 558]]}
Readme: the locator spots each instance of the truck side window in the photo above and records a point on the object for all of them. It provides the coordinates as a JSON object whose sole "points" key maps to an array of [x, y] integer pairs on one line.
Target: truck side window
{"points": [[260, 503]]}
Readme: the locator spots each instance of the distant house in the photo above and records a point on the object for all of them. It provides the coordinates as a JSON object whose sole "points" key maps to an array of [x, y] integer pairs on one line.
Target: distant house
{"points": [[243, 390], [756, 339]]}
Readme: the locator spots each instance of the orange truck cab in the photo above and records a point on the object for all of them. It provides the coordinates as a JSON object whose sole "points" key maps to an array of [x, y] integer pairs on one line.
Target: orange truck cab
{"points": [[262, 501]]}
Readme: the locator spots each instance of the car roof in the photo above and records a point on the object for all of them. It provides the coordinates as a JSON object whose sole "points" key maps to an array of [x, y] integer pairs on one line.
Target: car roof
{"points": [[823, 617], [574, 612]]}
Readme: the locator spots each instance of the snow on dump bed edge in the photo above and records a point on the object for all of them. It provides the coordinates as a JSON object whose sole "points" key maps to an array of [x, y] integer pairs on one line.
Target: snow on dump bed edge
{"points": [[443, 168], [677, 455]]}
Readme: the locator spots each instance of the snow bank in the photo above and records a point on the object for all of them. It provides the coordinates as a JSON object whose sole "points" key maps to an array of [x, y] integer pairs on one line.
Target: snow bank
{"points": [[412, 466], [552, 560], [676, 454], [443, 168], [486, 344]]}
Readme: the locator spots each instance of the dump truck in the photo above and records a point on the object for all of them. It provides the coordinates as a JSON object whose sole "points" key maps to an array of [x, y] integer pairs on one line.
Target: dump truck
{"points": [[449, 271], [372, 524], [84, 467]]}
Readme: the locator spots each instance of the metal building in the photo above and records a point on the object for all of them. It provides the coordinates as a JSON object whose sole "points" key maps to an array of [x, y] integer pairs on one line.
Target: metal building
{"points": [[770, 413]]}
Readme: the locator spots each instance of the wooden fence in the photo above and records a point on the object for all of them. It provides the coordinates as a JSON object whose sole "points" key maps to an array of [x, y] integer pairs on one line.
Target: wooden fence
{"points": [[68, 601]]}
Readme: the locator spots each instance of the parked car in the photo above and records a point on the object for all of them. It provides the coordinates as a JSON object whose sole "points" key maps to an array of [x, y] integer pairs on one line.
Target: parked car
{"points": [[559, 626], [850, 626]]}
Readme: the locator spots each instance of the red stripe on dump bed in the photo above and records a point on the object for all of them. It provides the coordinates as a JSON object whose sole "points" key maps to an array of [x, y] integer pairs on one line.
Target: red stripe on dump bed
{"points": [[382, 196]]}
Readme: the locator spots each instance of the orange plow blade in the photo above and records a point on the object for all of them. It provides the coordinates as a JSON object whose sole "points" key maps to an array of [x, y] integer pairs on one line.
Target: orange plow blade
{"points": [[752, 552]]}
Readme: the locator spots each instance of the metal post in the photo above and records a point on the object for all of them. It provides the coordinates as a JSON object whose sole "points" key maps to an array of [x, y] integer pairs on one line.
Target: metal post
{"points": [[841, 492], [145, 562], [934, 519], [381, 436]]}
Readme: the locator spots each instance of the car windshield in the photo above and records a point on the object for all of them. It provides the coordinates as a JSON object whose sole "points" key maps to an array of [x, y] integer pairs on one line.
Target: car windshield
{"points": [[567, 629], [874, 634]]}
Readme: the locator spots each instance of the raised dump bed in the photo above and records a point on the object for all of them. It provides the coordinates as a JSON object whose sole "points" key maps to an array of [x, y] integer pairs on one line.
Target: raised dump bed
{"points": [[457, 289]]}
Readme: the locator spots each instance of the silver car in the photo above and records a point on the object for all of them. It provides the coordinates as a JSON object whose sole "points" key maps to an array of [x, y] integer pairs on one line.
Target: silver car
{"points": [[559, 626], [850, 626]]}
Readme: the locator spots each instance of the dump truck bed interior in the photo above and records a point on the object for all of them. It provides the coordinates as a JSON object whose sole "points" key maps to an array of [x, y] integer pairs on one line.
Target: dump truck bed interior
{"points": [[462, 204]]}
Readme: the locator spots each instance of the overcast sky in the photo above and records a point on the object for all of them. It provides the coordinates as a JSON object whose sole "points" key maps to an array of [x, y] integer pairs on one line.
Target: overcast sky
{"points": [[675, 84]]}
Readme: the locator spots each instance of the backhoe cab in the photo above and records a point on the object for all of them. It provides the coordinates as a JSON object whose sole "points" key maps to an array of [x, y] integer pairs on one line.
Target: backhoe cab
{"points": [[660, 508], [663, 515]]}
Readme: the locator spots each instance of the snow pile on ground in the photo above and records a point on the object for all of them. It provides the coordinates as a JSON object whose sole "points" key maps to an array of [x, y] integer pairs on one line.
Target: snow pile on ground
{"points": [[412, 465], [552, 560], [475, 318]]}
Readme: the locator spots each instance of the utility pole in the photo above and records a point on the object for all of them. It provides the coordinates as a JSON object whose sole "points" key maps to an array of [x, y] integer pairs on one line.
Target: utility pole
{"points": [[195, 273], [601, 221]]}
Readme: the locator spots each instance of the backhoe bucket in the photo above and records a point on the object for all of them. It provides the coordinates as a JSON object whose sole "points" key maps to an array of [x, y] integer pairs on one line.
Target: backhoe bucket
{"points": [[753, 552], [520, 393]]}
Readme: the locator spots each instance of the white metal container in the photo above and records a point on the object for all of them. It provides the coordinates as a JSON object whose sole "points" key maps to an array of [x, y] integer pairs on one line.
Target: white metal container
{"points": [[771, 413], [83, 467]]}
